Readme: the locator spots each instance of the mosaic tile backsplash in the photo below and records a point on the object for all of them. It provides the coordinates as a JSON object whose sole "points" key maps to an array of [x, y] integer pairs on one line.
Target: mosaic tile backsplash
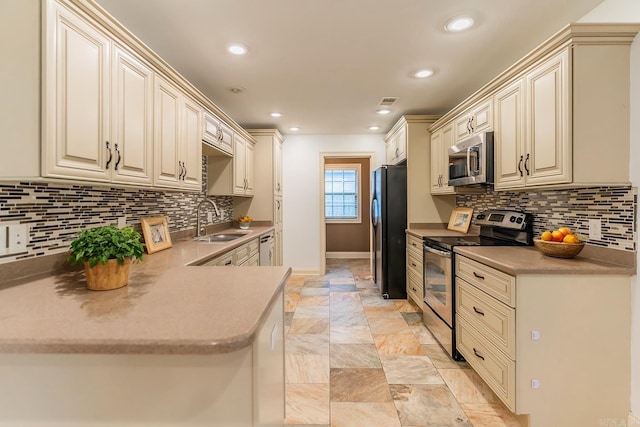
{"points": [[615, 207], [56, 212]]}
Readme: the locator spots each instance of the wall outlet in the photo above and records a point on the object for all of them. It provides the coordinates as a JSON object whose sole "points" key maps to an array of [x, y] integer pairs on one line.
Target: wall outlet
{"points": [[18, 237], [122, 222], [595, 231]]}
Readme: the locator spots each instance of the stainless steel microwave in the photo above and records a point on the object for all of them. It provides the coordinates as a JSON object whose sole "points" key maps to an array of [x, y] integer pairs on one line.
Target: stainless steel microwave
{"points": [[471, 161]]}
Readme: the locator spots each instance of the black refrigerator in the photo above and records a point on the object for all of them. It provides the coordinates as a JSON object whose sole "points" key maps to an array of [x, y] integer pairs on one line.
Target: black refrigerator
{"points": [[389, 222]]}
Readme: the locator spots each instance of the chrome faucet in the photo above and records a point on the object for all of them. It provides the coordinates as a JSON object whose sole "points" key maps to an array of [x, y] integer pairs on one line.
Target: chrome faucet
{"points": [[200, 229]]}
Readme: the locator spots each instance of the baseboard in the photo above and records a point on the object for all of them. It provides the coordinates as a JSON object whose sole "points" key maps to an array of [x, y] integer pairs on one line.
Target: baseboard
{"points": [[347, 254], [300, 272], [633, 421]]}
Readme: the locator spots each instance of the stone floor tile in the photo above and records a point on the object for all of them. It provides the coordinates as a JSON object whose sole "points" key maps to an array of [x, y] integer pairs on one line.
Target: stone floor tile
{"points": [[318, 311], [306, 368], [309, 326], [308, 292], [344, 414], [290, 306], [407, 306], [441, 359], [293, 294], [428, 405], [313, 301], [384, 312], [359, 385], [422, 334], [410, 370], [316, 283], [288, 318], [376, 301], [412, 318], [389, 327], [307, 344], [489, 415], [307, 404], [348, 318], [295, 280], [350, 335], [389, 345], [354, 356], [343, 288], [467, 386], [345, 297], [342, 281]]}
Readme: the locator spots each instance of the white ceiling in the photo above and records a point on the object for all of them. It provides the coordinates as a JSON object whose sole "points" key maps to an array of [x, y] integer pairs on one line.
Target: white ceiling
{"points": [[326, 64]]}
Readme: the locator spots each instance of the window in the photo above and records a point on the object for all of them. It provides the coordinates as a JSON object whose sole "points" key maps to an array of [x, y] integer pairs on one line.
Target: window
{"points": [[342, 193]]}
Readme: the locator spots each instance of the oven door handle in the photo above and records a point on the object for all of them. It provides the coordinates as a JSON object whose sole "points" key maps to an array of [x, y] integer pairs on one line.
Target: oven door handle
{"points": [[437, 251]]}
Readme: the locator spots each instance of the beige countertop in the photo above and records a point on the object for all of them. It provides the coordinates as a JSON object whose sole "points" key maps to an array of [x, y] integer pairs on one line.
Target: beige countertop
{"points": [[529, 260], [438, 232], [169, 307]]}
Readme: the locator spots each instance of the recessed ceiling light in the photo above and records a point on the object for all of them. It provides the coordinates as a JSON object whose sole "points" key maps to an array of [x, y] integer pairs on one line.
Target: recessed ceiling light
{"points": [[383, 111], [374, 127], [421, 74], [459, 23], [276, 114], [237, 90], [294, 129], [237, 49]]}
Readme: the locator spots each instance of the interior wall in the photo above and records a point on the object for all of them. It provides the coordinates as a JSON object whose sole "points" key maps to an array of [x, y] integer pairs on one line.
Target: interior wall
{"points": [[629, 11], [301, 159], [352, 237]]}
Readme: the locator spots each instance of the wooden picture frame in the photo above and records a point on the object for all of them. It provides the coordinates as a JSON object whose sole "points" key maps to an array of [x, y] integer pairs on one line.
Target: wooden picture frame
{"points": [[156, 233], [460, 219]]}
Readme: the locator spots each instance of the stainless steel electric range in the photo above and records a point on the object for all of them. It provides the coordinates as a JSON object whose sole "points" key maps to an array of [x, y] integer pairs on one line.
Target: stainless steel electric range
{"points": [[497, 228]]}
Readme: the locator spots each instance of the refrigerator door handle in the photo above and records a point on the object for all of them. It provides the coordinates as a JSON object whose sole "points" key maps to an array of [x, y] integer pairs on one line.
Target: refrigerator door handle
{"points": [[373, 218]]}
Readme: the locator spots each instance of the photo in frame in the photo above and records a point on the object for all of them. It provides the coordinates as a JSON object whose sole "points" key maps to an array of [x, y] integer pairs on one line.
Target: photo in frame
{"points": [[156, 233], [460, 219]]}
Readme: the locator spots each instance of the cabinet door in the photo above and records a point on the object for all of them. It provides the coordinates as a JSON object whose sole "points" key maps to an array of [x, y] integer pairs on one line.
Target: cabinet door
{"points": [[390, 150], [277, 214], [279, 258], [132, 119], [191, 145], [211, 129], [77, 109], [436, 161], [509, 136], [226, 138], [463, 127], [167, 171], [401, 145], [482, 117], [239, 165], [277, 168], [249, 168], [548, 134]]}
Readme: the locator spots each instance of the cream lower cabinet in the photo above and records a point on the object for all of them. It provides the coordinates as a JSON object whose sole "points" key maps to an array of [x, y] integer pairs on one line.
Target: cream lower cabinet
{"points": [[553, 347], [178, 138], [441, 140], [244, 387], [245, 255], [415, 282]]}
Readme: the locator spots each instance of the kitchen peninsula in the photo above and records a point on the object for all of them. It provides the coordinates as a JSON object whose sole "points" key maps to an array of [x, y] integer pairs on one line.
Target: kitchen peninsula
{"points": [[182, 344]]}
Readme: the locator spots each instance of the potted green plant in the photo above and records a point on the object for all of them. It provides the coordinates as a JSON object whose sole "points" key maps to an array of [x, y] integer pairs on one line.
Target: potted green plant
{"points": [[107, 253]]}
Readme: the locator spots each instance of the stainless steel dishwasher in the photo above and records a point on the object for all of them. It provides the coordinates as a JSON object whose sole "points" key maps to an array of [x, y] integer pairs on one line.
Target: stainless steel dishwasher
{"points": [[266, 249]]}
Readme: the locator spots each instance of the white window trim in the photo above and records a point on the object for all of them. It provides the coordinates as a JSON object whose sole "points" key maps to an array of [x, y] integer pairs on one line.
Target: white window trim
{"points": [[358, 168]]}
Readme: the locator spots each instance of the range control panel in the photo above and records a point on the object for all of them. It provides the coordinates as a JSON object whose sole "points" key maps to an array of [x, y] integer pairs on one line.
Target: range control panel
{"points": [[506, 219]]}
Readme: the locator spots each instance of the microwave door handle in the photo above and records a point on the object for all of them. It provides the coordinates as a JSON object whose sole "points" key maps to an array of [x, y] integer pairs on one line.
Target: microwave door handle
{"points": [[469, 162]]}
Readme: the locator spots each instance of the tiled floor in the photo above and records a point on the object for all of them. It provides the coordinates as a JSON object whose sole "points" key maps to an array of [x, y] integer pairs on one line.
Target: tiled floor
{"points": [[355, 359]]}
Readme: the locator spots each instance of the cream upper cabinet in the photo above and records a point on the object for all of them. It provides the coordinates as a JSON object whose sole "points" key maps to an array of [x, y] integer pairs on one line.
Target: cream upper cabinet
{"points": [[243, 171], [476, 120], [441, 140], [396, 148], [178, 138], [532, 138], [132, 119], [216, 134], [77, 99]]}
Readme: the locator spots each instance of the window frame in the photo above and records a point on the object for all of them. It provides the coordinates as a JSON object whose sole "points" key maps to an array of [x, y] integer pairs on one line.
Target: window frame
{"points": [[344, 166]]}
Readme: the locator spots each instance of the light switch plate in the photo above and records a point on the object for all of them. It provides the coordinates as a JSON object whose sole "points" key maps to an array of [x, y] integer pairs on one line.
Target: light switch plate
{"points": [[18, 237], [595, 231]]}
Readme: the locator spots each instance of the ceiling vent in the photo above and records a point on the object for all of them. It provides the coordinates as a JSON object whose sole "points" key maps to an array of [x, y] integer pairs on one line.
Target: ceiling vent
{"points": [[388, 101]]}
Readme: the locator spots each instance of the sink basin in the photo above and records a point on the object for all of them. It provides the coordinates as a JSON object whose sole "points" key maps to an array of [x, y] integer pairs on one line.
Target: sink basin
{"points": [[220, 237]]}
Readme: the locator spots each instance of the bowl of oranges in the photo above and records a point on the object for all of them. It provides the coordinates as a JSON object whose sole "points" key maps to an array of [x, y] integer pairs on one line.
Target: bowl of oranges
{"points": [[560, 243]]}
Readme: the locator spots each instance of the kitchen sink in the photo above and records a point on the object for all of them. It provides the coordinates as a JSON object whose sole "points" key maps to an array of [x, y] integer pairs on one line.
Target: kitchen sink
{"points": [[220, 237]]}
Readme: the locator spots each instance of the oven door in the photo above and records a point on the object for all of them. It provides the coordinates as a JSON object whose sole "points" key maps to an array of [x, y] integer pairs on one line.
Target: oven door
{"points": [[438, 282]]}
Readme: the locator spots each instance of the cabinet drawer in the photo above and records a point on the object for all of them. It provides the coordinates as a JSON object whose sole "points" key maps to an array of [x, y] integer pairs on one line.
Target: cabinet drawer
{"points": [[496, 369], [415, 245], [493, 319], [495, 283], [414, 264], [226, 259], [414, 287], [246, 251]]}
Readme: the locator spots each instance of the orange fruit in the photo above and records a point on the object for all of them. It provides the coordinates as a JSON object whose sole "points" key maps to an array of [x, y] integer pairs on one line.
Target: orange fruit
{"points": [[570, 238], [546, 236], [557, 236], [565, 231]]}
